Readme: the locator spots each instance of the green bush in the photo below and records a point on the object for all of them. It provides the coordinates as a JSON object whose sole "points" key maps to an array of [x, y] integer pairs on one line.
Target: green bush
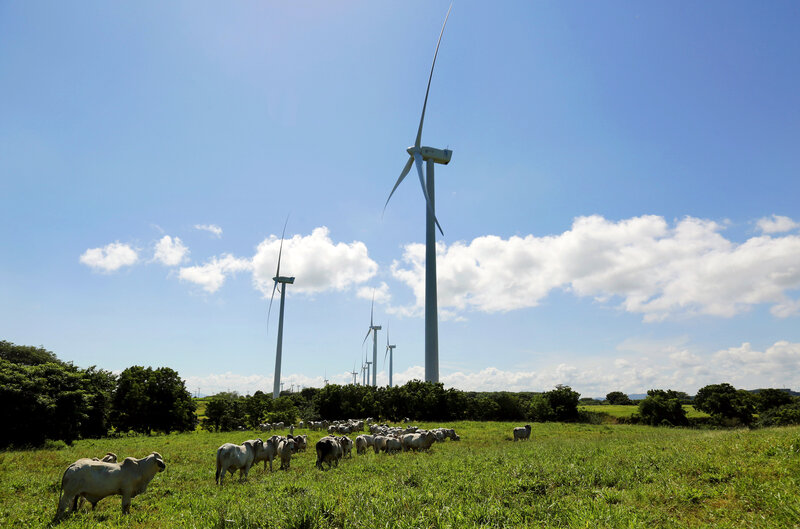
{"points": [[658, 409]]}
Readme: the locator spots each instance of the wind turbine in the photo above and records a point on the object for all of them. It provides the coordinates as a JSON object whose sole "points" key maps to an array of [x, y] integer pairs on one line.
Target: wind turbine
{"points": [[374, 330], [418, 153], [325, 377], [276, 387], [390, 352], [354, 373]]}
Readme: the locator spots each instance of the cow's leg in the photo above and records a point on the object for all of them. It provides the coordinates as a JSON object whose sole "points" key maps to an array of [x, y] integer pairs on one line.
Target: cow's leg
{"points": [[126, 502]]}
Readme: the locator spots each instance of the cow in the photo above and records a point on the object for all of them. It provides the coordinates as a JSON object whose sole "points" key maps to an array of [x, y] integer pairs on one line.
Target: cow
{"points": [[285, 450], [417, 441], [266, 452], [231, 457], [522, 433], [379, 443], [329, 450], [392, 444], [110, 457], [347, 446], [363, 442], [301, 442], [95, 480]]}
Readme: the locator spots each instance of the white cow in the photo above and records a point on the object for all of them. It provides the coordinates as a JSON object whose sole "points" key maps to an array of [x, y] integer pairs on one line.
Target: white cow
{"points": [[393, 444], [94, 480], [363, 442], [285, 450], [418, 441], [328, 451], [266, 451], [522, 433], [231, 457]]}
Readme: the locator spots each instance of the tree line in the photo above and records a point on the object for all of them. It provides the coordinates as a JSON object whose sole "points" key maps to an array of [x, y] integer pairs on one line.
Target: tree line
{"points": [[43, 398]]}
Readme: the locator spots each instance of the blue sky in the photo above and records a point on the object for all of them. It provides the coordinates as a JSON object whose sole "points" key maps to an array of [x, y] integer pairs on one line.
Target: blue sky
{"points": [[620, 212]]}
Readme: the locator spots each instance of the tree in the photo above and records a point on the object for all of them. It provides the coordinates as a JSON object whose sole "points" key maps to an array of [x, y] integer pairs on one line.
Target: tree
{"points": [[27, 354], [724, 402], [564, 403], [618, 398], [766, 399], [146, 399], [658, 409], [539, 409]]}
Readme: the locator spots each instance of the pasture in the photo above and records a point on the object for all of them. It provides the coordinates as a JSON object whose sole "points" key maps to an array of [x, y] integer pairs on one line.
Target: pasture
{"points": [[621, 411], [567, 475]]}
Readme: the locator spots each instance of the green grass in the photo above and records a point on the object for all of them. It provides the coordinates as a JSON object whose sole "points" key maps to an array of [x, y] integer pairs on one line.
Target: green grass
{"points": [[623, 411], [565, 476]]}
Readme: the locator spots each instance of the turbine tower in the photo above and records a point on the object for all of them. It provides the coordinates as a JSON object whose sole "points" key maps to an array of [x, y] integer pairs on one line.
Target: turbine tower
{"points": [[277, 385], [431, 156], [374, 330], [354, 373], [390, 352]]}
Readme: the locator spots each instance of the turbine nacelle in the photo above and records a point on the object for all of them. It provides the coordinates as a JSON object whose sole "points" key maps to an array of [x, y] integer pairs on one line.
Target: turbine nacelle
{"points": [[283, 279], [440, 156]]}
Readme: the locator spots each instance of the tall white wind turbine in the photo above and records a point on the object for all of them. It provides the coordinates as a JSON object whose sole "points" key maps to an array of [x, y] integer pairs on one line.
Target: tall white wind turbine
{"points": [[390, 352], [418, 153], [276, 387], [354, 373], [374, 330]]}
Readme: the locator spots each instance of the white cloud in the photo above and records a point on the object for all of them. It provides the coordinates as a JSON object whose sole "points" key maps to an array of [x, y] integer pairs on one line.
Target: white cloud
{"points": [[681, 370], [170, 252], [381, 293], [211, 275], [318, 263], [777, 224], [651, 268], [213, 229], [110, 258]]}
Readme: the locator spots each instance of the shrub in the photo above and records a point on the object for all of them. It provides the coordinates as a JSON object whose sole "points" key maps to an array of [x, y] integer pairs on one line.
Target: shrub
{"points": [[725, 403], [660, 410], [785, 415]]}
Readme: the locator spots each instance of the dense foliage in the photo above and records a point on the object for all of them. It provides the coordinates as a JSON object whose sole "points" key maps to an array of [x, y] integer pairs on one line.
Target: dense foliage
{"points": [[420, 401], [149, 399], [662, 408], [726, 404], [618, 398], [42, 397]]}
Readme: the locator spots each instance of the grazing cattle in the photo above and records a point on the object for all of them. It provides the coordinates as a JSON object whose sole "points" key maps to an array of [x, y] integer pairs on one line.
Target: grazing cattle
{"points": [[285, 450], [94, 480], [110, 457], [347, 446], [231, 457], [522, 433], [379, 443], [266, 451], [392, 444], [328, 451], [417, 441], [363, 442], [301, 442], [301, 424]]}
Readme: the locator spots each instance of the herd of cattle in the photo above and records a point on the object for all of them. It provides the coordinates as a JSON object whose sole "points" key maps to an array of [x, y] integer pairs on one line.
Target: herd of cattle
{"points": [[94, 479]]}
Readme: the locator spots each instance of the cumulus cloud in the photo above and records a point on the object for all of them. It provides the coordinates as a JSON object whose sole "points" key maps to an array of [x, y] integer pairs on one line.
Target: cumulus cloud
{"points": [[381, 293], [213, 229], [318, 263], [777, 224], [643, 263], [170, 252], [211, 275], [109, 258]]}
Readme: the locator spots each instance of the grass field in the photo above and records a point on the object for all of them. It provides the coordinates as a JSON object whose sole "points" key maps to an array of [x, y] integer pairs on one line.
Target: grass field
{"points": [[621, 411], [566, 476]]}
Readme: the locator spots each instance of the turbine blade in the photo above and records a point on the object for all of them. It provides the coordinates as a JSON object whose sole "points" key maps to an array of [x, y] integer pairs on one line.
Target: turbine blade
{"points": [[372, 308], [403, 174], [270, 304], [384, 356], [280, 250], [425, 104], [418, 159], [365, 337]]}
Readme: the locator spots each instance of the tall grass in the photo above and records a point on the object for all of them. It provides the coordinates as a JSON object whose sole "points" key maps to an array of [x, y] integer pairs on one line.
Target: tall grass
{"points": [[565, 476]]}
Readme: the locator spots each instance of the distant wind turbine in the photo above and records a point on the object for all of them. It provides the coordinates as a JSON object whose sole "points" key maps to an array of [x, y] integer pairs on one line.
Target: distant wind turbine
{"points": [[374, 330], [390, 352], [354, 373], [418, 153], [277, 386]]}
